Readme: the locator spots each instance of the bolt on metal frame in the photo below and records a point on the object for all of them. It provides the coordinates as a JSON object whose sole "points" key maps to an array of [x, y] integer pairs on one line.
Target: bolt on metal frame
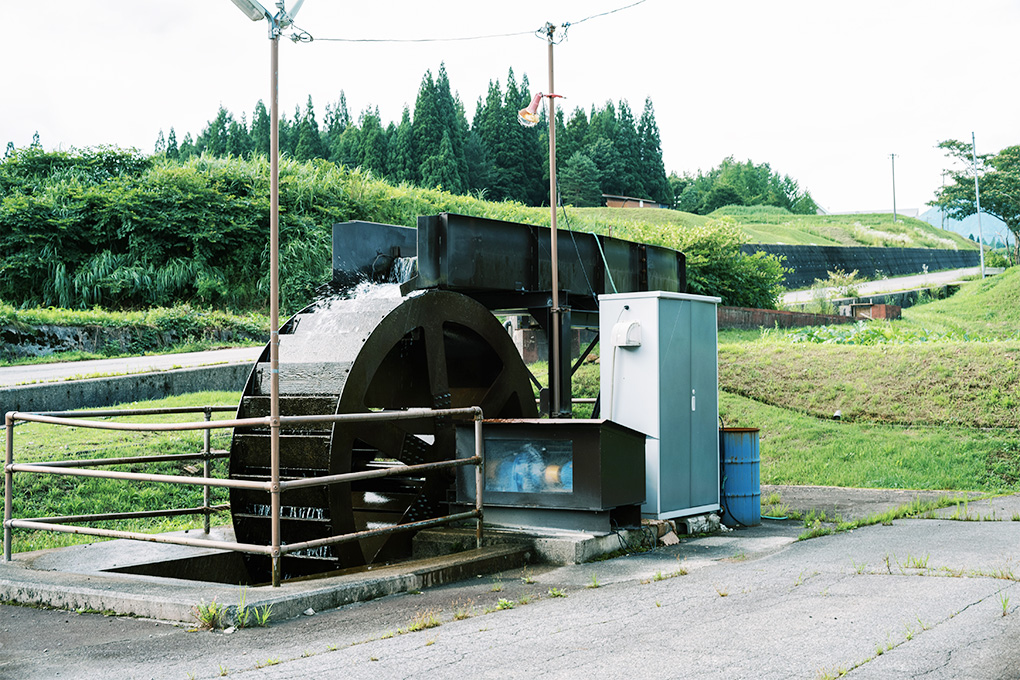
{"points": [[274, 487]]}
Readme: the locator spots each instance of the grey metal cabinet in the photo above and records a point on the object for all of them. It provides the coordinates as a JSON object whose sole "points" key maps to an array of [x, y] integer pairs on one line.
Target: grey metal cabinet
{"points": [[659, 376]]}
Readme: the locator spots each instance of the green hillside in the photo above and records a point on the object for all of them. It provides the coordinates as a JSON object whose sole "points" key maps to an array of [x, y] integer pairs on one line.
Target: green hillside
{"points": [[764, 224]]}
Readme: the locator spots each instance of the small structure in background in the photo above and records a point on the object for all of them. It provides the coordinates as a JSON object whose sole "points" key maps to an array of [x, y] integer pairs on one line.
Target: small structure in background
{"points": [[867, 310], [630, 202]]}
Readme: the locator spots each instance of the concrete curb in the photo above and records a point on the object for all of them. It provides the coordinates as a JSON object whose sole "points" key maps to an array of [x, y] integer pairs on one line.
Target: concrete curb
{"points": [[170, 599]]}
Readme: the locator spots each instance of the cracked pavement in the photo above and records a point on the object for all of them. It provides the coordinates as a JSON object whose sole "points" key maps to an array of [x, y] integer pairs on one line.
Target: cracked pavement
{"points": [[921, 598]]}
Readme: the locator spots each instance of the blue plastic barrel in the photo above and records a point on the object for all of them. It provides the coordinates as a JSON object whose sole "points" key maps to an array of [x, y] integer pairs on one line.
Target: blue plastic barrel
{"points": [[741, 480]]}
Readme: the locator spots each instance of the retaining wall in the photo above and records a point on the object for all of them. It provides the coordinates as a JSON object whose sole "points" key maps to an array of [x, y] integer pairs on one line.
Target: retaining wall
{"points": [[814, 262], [751, 319]]}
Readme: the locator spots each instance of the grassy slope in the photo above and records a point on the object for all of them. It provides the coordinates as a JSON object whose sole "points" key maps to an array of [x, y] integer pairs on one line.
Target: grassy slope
{"points": [[770, 225], [762, 225], [985, 308]]}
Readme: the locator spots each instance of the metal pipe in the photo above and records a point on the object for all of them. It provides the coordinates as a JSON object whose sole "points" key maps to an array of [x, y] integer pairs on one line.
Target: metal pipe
{"points": [[151, 538], [357, 536], [125, 460], [8, 485], [101, 517], [977, 199], [409, 414], [554, 312], [140, 476], [893, 157], [479, 477], [374, 474], [274, 297], [206, 467], [142, 427], [169, 410]]}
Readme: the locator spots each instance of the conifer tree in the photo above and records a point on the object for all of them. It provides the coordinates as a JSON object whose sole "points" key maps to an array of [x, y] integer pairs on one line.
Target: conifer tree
{"points": [[440, 170], [260, 133], [349, 149], [336, 121], [309, 142], [579, 182], [651, 169], [160, 147], [374, 154], [628, 145], [172, 152], [213, 138], [188, 147], [402, 160], [238, 138]]}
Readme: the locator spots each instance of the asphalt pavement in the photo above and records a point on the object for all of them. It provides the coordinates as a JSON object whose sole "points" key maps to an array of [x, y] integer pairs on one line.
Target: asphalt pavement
{"points": [[920, 598], [35, 373], [888, 285]]}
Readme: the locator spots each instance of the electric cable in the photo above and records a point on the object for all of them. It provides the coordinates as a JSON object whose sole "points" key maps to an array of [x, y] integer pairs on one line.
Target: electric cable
{"points": [[302, 35]]}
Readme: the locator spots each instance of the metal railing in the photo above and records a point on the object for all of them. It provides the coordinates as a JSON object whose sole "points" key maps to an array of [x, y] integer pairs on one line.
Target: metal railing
{"points": [[275, 549]]}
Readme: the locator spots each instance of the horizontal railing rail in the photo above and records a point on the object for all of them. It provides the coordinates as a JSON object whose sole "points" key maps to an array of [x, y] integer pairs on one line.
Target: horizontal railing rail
{"points": [[275, 549]]}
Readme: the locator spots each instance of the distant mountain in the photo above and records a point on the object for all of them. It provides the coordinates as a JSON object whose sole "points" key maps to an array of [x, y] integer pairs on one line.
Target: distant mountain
{"points": [[992, 227]]}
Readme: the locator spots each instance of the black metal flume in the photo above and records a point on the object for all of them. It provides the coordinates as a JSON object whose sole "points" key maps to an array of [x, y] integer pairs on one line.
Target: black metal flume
{"points": [[432, 341]]}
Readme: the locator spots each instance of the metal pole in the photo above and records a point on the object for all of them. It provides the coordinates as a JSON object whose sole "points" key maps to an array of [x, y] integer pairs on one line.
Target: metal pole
{"points": [[8, 487], [274, 299], [206, 467], [479, 477], [942, 210], [554, 312], [977, 198], [893, 157]]}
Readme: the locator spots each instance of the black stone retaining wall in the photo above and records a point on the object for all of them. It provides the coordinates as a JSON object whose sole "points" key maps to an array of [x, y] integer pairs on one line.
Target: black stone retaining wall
{"points": [[814, 262]]}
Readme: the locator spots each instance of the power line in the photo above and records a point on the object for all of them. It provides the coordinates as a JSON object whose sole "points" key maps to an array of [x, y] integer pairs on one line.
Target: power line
{"points": [[304, 36], [602, 14]]}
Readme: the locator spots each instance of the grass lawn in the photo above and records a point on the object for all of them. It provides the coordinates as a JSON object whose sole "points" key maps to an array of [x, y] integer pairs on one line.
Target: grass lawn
{"points": [[927, 406], [37, 495]]}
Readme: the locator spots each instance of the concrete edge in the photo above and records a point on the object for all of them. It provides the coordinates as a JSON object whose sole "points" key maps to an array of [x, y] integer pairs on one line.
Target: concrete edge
{"points": [[66, 395], [173, 599]]}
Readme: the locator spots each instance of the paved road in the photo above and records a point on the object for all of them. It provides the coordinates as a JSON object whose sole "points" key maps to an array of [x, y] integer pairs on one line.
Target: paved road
{"points": [[931, 598], [17, 375], [891, 285]]}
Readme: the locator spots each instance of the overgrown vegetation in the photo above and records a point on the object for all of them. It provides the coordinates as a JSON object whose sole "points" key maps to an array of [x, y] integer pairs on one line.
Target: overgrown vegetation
{"points": [[110, 227]]}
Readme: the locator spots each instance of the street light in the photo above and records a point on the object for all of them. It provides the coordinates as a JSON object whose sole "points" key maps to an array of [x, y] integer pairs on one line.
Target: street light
{"points": [[255, 11], [977, 198], [528, 117]]}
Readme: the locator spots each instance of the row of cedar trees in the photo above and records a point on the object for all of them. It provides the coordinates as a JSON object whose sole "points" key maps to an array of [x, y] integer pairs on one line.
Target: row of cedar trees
{"points": [[605, 151]]}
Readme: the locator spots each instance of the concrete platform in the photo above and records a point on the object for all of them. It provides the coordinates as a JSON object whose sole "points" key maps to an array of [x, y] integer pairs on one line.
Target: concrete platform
{"points": [[554, 547], [79, 578]]}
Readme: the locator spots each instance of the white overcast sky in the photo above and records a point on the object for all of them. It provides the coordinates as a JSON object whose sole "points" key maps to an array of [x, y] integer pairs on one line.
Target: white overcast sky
{"points": [[822, 90]]}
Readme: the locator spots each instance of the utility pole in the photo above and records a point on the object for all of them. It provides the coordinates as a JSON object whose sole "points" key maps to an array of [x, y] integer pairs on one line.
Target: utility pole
{"points": [[977, 198], [893, 157], [282, 19], [942, 210]]}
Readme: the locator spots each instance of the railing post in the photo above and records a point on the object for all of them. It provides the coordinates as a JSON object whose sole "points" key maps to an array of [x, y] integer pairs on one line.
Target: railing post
{"points": [[479, 476], [8, 486], [206, 467]]}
